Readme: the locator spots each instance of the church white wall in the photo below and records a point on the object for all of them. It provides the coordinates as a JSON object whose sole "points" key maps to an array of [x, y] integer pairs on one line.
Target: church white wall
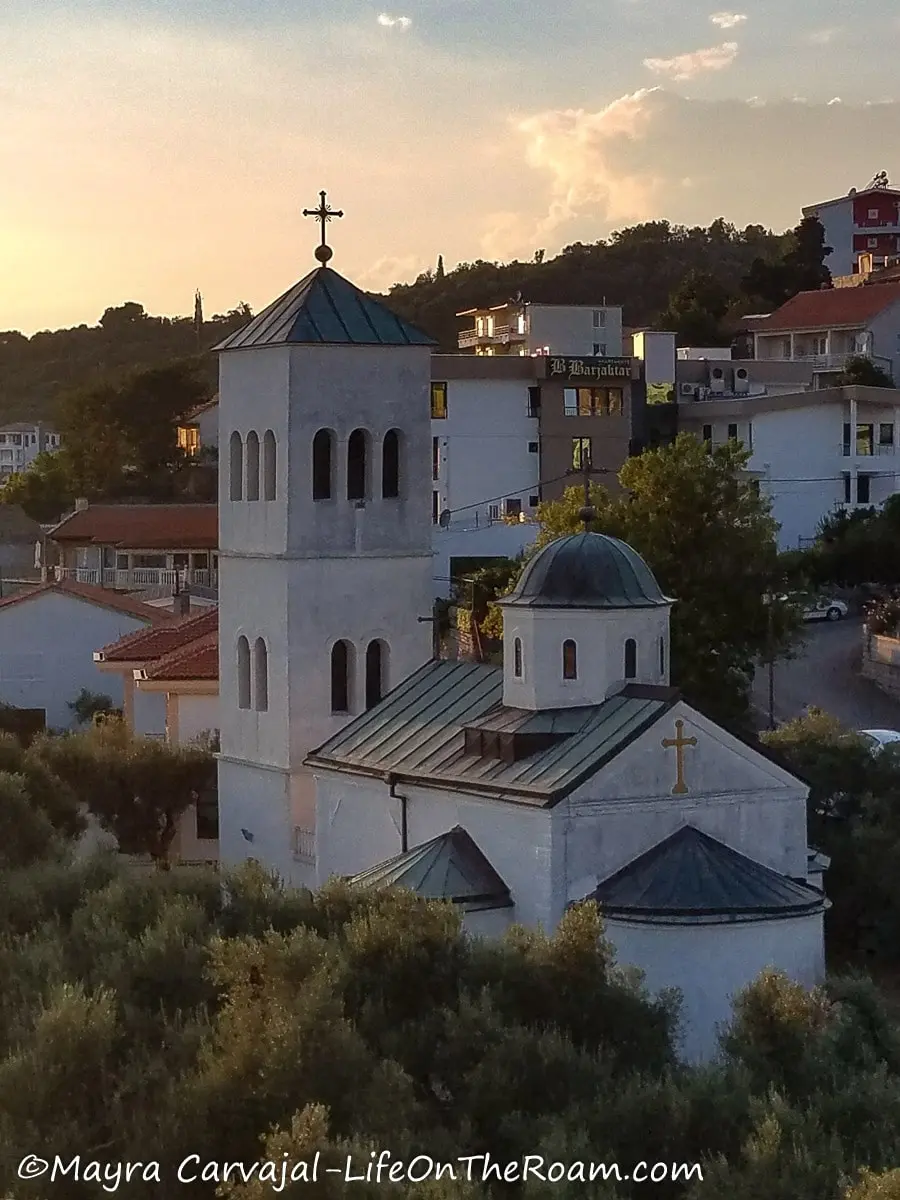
{"points": [[682, 956], [257, 800], [358, 824], [600, 640], [491, 923]]}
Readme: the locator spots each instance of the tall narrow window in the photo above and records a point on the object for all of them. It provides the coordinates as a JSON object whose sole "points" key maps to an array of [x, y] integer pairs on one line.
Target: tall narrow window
{"points": [[323, 468], [517, 658], [357, 465], [662, 656], [243, 672], [630, 658], [390, 465], [376, 672], [438, 401], [261, 676], [252, 465], [570, 660], [270, 464], [435, 458], [341, 673], [236, 467], [581, 453]]}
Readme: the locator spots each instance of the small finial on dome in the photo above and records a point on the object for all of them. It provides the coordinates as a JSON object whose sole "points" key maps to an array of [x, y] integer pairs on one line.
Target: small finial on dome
{"points": [[323, 253], [586, 515]]}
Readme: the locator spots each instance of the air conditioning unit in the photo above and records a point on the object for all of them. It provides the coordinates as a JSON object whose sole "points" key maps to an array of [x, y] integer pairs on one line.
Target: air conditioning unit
{"points": [[687, 389], [741, 381], [717, 381]]}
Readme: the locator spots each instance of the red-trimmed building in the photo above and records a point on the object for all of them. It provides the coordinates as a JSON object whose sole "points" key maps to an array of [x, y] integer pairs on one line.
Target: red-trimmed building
{"points": [[861, 222]]}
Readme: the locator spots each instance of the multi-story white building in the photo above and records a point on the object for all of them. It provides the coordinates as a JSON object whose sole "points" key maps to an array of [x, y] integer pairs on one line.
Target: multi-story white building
{"points": [[20, 444], [811, 451], [827, 327], [521, 328], [861, 222]]}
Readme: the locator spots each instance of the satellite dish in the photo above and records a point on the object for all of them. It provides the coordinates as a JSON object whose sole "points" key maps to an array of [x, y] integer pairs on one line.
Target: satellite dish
{"points": [[444, 518]]}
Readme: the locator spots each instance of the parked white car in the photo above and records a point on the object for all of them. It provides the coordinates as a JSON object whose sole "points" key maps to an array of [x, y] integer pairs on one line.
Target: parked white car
{"points": [[879, 738], [825, 609]]}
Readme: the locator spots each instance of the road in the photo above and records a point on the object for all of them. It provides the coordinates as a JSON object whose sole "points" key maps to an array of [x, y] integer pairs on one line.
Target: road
{"points": [[825, 675]]}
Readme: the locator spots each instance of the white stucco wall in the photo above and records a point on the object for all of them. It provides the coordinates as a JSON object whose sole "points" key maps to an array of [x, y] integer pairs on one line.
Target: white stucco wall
{"points": [[47, 645], [254, 799], [709, 964], [599, 638], [569, 329], [496, 541], [149, 712], [196, 715]]}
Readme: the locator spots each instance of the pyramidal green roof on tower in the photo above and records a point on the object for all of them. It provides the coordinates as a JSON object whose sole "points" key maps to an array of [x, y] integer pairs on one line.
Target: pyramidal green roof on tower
{"points": [[326, 309]]}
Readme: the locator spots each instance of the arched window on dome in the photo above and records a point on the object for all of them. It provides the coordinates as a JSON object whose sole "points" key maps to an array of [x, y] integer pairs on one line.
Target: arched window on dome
{"points": [[341, 677], [235, 467], [322, 465], [252, 465], [570, 659], [261, 676], [243, 672], [390, 465], [517, 658], [630, 658], [270, 462]]}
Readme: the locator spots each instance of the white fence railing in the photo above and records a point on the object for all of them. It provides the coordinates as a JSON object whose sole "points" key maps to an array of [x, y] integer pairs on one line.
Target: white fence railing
{"points": [[137, 577]]}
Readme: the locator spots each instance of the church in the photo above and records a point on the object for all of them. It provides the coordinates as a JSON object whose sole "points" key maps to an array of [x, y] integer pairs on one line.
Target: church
{"points": [[573, 772]]}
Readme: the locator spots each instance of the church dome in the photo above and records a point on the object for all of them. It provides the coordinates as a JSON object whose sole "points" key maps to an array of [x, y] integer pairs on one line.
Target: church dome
{"points": [[587, 570]]}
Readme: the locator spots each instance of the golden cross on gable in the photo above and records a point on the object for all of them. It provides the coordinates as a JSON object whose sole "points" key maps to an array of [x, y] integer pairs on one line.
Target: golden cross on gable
{"points": [[679, 742]]}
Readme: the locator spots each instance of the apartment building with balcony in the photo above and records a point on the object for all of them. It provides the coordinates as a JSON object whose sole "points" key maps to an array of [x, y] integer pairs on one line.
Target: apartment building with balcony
{"points": [[812, 450], [522, 328], [827, 327], [20, 444], [864, 221], [131, 547]]}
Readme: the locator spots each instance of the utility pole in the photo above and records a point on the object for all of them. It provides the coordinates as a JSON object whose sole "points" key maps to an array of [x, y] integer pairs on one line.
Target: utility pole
{"points": [[587, 512]]}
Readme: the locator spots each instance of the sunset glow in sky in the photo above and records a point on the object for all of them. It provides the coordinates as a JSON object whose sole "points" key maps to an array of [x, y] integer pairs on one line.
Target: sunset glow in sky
{"points": [[150, 147]]}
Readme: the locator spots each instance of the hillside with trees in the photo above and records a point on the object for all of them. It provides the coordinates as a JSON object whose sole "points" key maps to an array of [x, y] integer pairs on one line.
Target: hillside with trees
{"points": [[694, 280]]}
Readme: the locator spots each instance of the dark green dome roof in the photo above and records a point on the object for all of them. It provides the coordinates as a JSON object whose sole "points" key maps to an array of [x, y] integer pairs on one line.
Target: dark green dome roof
{"points": [[587, 570]]}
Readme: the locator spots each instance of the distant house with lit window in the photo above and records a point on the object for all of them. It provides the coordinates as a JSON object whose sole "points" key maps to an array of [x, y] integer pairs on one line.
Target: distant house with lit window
{"points": [[199, 430], [20, 444]]}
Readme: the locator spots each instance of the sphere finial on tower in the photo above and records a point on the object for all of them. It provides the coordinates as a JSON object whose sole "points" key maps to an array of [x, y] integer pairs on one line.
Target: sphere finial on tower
{"points": [[323, 214]]}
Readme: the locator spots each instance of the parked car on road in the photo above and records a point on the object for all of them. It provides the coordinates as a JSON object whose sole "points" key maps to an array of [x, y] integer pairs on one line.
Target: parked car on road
{"points": [[879, 738], [824, 609]]}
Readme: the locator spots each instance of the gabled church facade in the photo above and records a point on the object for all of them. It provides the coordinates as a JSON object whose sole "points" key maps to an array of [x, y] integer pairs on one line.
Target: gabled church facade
{"points": [[576, 772], [325, 546]]}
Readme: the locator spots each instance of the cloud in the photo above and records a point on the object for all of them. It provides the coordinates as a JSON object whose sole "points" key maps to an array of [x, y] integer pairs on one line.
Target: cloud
{"points": [[626, 163], [727, 20], [686, 66], [835, 100], [390, 22], [824, 37]]}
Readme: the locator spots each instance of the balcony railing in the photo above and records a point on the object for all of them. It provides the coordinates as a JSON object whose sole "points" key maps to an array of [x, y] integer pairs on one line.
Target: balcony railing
{"points": [[137, 577], [867, 451], [304, 845], [467, 338]]}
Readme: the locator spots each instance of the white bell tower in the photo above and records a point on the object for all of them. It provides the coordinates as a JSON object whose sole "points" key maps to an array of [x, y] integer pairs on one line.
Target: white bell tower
{"points": [[325, 556]]}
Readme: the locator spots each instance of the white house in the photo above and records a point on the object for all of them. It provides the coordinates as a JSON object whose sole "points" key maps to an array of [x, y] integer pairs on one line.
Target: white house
{"points": [[811, 451], [522, 328], [199, 430], [575, 772], [20, 444], [47, 638], [485, 459], [325, 554]]}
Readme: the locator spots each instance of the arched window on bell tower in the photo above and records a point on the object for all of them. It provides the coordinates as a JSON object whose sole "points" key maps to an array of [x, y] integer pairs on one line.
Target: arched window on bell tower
{"points": [[235, 467], [270, 463], [261, 676], [252, 465], [342, 660], [243, 672], [390, 465], [357, 465], [323, 465], [376, 672]]}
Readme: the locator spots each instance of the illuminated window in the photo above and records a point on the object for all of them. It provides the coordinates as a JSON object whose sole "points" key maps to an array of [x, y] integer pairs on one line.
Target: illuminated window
{"points": [[438, 401], [570, 660]]}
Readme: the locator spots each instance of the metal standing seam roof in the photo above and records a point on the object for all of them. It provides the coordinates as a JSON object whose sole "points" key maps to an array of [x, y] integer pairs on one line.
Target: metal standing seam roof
{"points": [[586, 570], [327, 309], [692, 876], [449, 867], [417, 733]]}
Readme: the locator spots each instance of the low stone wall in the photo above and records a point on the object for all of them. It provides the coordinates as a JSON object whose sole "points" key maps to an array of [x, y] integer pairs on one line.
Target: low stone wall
{"points": [[881, 661]]}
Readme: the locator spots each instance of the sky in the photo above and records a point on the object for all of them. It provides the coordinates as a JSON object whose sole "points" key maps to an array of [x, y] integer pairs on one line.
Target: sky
{"points": [[152, 147]]}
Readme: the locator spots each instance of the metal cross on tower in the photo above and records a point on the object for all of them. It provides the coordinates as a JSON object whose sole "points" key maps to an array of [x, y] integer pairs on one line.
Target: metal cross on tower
{"points": [[323, 214]]}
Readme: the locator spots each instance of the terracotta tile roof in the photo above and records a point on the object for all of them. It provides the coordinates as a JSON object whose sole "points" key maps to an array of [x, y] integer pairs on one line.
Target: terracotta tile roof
{"points": [[831, 306], [202, 408], [150, 645], [142, 526], [104, 597], [198, 660]]}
